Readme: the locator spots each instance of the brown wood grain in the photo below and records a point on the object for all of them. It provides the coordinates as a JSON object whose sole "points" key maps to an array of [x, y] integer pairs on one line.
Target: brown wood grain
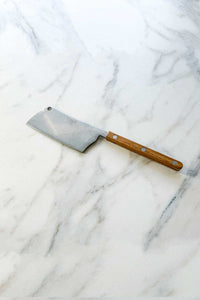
{"points": [[144, 151]]}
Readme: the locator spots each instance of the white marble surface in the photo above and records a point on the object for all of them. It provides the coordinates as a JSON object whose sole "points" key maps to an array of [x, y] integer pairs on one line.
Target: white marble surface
{"points": [[107, 223]]}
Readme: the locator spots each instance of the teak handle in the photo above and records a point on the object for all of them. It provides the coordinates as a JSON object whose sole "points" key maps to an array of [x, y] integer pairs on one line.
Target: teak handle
{"points": [[144, 151]]}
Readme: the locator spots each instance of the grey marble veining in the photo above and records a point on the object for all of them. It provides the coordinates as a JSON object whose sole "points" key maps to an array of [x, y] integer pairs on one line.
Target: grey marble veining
{"points": [[106, 223]]}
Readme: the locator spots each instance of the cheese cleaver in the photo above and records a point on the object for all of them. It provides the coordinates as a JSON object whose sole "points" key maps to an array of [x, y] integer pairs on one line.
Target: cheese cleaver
{"points": [[79, 135]]}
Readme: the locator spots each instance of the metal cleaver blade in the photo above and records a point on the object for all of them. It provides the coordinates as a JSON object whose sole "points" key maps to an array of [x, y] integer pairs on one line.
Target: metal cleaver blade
{"points": [[66, 130], [80, 136]]}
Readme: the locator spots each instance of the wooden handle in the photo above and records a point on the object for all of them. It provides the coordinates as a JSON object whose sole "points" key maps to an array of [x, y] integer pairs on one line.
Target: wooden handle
{"points": [[144, 151]]}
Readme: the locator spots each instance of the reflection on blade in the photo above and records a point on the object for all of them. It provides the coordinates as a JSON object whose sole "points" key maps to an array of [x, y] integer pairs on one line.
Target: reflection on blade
{"points": [[66, 130]]}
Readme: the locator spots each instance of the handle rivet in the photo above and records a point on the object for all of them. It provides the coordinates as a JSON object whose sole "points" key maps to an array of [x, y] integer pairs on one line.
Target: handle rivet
{"points": [[143, 149], [174, 162], [114, 136]]}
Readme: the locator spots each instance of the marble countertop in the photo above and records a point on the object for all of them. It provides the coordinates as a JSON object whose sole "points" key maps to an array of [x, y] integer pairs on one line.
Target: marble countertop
{"points": [[107, 223]]}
